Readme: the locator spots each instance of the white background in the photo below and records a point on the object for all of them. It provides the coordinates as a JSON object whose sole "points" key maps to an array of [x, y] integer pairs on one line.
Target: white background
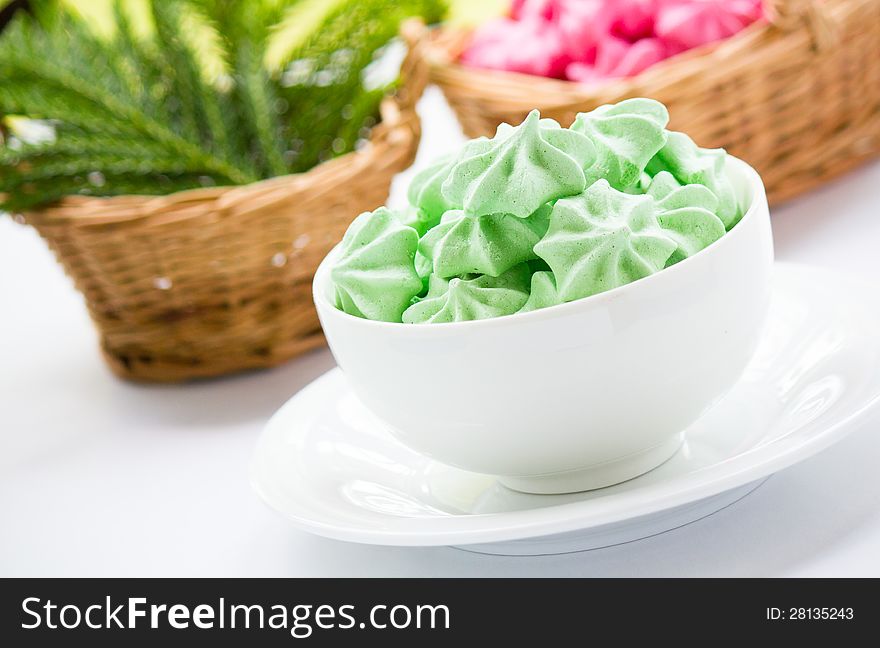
{"points": [[103, 478]]}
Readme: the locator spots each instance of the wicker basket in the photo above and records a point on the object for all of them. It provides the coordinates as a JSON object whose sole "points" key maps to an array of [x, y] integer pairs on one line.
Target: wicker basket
{"points": [[798, 96], [211, 281]]}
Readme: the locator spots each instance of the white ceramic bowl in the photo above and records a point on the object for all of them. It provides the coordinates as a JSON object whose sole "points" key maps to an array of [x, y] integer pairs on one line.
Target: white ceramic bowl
{"points": [[576, 396]]}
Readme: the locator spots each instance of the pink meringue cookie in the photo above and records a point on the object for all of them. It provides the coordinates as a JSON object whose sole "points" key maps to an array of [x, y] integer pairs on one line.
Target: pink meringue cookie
{"points": [[617, 58], [633, 19], [691, 23], [589, 40], [582, 24], [584, 73], [530, 46], [546, 9]]}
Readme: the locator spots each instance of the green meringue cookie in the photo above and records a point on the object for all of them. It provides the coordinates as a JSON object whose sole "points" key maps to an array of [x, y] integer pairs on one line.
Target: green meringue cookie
{"points": [[686, 214], [424, 268], [602, 239], [463, 299], [424, 189], [415, 218], [492, 244], [626, 136], [661, 185], [543, 293], [670, 194], [523, 168], [375, 275], [691, 164], [692, 229]]}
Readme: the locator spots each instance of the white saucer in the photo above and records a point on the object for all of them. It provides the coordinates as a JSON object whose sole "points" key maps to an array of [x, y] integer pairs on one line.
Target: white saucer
{"points": [[328, 465]]}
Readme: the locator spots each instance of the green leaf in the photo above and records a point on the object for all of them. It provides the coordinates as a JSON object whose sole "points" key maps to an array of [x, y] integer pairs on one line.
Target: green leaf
{"points": [[146, 110]]}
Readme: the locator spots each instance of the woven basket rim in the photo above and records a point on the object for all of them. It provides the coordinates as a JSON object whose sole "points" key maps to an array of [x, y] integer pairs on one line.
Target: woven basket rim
{"points": [[398, 123]]}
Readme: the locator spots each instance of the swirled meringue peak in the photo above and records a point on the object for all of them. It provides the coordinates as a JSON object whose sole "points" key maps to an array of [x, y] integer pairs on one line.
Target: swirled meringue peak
{"points": [[424, 190], [686, 214], [524, 167], [543, 293], [692, 229], [375, 275], [671, 194], [471, 298], [492, 244], [626, 136], [690, 164], [416, 218], [602, 239]]}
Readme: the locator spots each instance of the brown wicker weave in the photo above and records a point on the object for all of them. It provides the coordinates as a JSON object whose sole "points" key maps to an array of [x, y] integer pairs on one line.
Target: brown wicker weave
{"points": [[211, 281], [797, 97]]}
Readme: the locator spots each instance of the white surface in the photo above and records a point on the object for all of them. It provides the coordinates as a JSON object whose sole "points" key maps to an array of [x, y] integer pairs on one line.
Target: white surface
{"points": [[575, 397], [330, 464], [102, 478]]}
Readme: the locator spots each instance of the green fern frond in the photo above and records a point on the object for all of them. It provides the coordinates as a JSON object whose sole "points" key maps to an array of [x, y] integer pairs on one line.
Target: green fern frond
{"points": [[180, 68], [259, 102], [140, 112], [44, 87]]}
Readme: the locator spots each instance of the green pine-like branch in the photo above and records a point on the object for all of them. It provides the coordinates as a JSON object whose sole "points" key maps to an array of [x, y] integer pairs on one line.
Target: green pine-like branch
{"points": [[136, 114]]}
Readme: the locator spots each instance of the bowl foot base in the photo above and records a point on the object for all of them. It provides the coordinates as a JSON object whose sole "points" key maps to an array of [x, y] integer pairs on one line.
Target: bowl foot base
{"points": [[597, 476]]}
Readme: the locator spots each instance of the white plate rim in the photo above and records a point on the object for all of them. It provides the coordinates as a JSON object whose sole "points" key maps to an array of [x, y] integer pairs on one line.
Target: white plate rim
{"points": [[757, 463]]}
